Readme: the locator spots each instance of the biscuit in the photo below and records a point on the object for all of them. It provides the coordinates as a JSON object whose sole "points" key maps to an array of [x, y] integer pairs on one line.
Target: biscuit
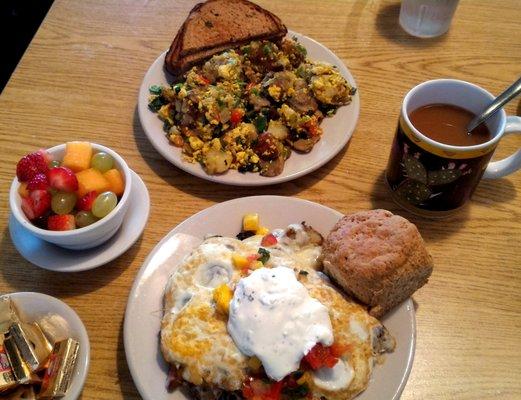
{"points": [[377, 257]]}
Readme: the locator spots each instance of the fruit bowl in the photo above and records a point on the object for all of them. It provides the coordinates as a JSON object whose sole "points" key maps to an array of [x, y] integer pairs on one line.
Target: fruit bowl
{"points": [[86, 237]]}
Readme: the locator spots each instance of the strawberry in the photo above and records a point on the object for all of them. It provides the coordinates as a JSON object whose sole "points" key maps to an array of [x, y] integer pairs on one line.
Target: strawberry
{"points": [[41, 202], [269, 240], [63, 179], [85, 203], [27, 207], [64, 222], [38, 182], [30, 165], [37, 204]]}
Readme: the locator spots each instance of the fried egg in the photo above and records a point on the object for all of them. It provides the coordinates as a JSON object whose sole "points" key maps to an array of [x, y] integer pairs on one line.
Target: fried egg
{"points": [[194, 334]]}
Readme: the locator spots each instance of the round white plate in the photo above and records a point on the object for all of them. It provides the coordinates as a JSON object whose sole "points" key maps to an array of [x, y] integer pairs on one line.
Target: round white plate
{"points": [[55, 258], [144, 307], [36, 305], [337, 129]]}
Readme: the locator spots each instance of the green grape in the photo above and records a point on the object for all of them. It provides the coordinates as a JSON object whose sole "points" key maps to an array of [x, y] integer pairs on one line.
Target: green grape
{"points": [[102, 161], [84, 218], [53, 163], [104, 204], [63, 203]]}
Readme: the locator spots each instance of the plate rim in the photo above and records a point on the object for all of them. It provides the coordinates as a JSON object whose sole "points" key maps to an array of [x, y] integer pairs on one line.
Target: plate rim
{"points": [[178, 229], [142, 107]]}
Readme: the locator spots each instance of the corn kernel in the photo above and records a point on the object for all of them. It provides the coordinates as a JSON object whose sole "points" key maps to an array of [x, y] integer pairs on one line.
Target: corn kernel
{"points": [[239, 261], [250, 222], [262, 231], [222, 295], [256, 265]]}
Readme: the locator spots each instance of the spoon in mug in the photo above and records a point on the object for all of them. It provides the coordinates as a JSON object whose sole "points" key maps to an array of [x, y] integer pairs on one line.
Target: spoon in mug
{"points": [[495, 106]]}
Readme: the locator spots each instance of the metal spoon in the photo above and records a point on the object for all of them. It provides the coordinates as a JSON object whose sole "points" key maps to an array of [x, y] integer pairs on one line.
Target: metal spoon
{"points": [[495, 106]]}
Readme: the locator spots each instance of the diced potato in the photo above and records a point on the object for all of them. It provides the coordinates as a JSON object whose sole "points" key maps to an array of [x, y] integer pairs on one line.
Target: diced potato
{"points": [[117, 185], [222, 295], [217, 161], [77, 156], [91, 179], [262, 231], [278, 130], [239, 261], [250, 222]]}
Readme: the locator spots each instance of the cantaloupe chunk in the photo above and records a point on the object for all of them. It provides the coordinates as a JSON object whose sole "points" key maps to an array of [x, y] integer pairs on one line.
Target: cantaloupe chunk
{"points": [[117, 185], [77, 156], [91, 179], [22, 189]]}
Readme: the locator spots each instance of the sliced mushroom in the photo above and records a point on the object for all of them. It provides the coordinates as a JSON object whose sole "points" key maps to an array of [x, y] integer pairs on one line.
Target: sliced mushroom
{"points": [[273, 167], [304, 145], [382, 340]]}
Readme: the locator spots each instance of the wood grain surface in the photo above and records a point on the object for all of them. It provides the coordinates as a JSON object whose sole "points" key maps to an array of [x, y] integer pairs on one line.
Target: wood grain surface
{"points": [[79, 79]]}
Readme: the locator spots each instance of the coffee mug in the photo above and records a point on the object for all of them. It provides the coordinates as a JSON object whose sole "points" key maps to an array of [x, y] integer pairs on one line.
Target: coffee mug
{"points": [[434, 179]]}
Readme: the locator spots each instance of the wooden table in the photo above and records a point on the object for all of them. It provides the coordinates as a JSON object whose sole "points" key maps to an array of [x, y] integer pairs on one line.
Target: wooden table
{"points": [[79, 79]]}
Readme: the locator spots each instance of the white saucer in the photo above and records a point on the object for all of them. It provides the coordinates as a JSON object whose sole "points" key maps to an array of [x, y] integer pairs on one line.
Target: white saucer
{"points": [[33, 306], [54, 258]]}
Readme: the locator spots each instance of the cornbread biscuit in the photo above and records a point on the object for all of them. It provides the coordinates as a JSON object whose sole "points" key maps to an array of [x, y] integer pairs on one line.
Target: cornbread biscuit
{"points": [[377, 257]]}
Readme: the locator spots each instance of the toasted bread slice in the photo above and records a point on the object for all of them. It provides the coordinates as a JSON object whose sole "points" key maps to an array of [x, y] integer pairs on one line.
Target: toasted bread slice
{"points": [[217, 25]]}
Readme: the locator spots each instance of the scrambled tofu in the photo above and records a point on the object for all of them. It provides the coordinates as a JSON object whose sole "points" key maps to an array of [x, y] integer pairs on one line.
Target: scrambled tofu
{"points": [[247, 109]]}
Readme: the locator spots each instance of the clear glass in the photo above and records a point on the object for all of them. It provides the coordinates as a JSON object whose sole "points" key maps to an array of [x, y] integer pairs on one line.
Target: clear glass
{"points": [[427, 18]]}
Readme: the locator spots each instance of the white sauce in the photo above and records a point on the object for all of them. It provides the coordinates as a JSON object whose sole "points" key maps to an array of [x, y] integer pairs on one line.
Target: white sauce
{"points": [[273, 318], [358, 329], [336, 378]]}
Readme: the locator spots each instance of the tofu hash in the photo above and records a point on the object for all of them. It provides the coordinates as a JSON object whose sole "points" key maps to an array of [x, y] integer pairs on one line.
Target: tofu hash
{"points": [[249, 108], [253, 318]]}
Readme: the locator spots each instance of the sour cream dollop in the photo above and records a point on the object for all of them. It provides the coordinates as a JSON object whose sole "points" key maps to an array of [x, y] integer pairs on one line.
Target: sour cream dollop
{"points": [[273, 317]]}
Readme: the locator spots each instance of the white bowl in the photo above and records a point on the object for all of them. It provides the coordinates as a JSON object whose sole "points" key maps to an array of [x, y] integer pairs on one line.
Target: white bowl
{"points": [[33, 306], [81, 238]]}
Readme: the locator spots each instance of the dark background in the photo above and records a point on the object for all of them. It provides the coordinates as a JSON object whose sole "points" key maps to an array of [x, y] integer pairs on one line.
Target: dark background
{"points": [[19, 20]]}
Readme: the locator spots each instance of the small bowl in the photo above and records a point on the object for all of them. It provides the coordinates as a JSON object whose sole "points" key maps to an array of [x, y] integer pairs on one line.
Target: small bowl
{"points": [[91, 235], [33, 306]]}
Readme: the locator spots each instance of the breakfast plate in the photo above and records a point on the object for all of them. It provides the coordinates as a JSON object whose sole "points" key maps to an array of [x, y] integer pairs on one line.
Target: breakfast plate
{"points": [[49, 256], [337, 130], [144, 308], [33, 306]]}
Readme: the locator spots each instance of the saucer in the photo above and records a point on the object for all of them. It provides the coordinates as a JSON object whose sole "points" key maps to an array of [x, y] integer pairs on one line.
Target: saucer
{"points": [[55, 258], [33, 306]]}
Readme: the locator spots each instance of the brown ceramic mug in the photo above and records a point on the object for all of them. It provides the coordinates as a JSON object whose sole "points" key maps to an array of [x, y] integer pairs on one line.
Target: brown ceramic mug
{"points": [[434, 179]]}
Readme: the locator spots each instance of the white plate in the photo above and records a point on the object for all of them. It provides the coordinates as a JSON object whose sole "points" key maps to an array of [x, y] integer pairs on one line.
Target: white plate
{"points": [[36, 305], [337, 129], [55, 258], [144, 307]]}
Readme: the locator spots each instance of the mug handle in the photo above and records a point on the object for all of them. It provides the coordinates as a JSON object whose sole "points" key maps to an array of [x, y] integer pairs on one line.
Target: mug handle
{"points": [[498, 169]]}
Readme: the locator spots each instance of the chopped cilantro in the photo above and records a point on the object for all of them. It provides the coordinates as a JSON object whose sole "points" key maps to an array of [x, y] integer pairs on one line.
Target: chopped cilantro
{"points": [[266, 49], [246, 49], [255, 91], [155, 89], [264, 255], [177, 87]]}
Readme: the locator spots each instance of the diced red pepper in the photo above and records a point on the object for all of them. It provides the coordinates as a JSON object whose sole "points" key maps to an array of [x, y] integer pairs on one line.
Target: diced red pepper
{"points": [[320, 356], [339, 349], [204, 80], [256, 389], [269, 240], [236, 116]]}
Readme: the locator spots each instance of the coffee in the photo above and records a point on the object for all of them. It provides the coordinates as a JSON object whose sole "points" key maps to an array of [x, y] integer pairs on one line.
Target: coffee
{"points": [[446, 123]]}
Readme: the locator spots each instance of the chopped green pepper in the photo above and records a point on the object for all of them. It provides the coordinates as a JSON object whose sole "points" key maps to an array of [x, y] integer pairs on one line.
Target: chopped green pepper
{"points": [[264, 255], [261, 123]]}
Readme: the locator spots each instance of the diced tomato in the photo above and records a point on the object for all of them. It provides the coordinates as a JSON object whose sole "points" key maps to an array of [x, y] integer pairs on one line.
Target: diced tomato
{"points": [[256, 389], [204, 80], [269, 240], [320, 356], [312, 127], [236, 116]]}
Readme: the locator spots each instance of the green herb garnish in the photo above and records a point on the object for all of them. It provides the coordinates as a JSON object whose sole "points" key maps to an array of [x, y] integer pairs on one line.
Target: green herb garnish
{"points": [[155, 89], [156, 103], [261, 123], [177, 87], [264, 255]]}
